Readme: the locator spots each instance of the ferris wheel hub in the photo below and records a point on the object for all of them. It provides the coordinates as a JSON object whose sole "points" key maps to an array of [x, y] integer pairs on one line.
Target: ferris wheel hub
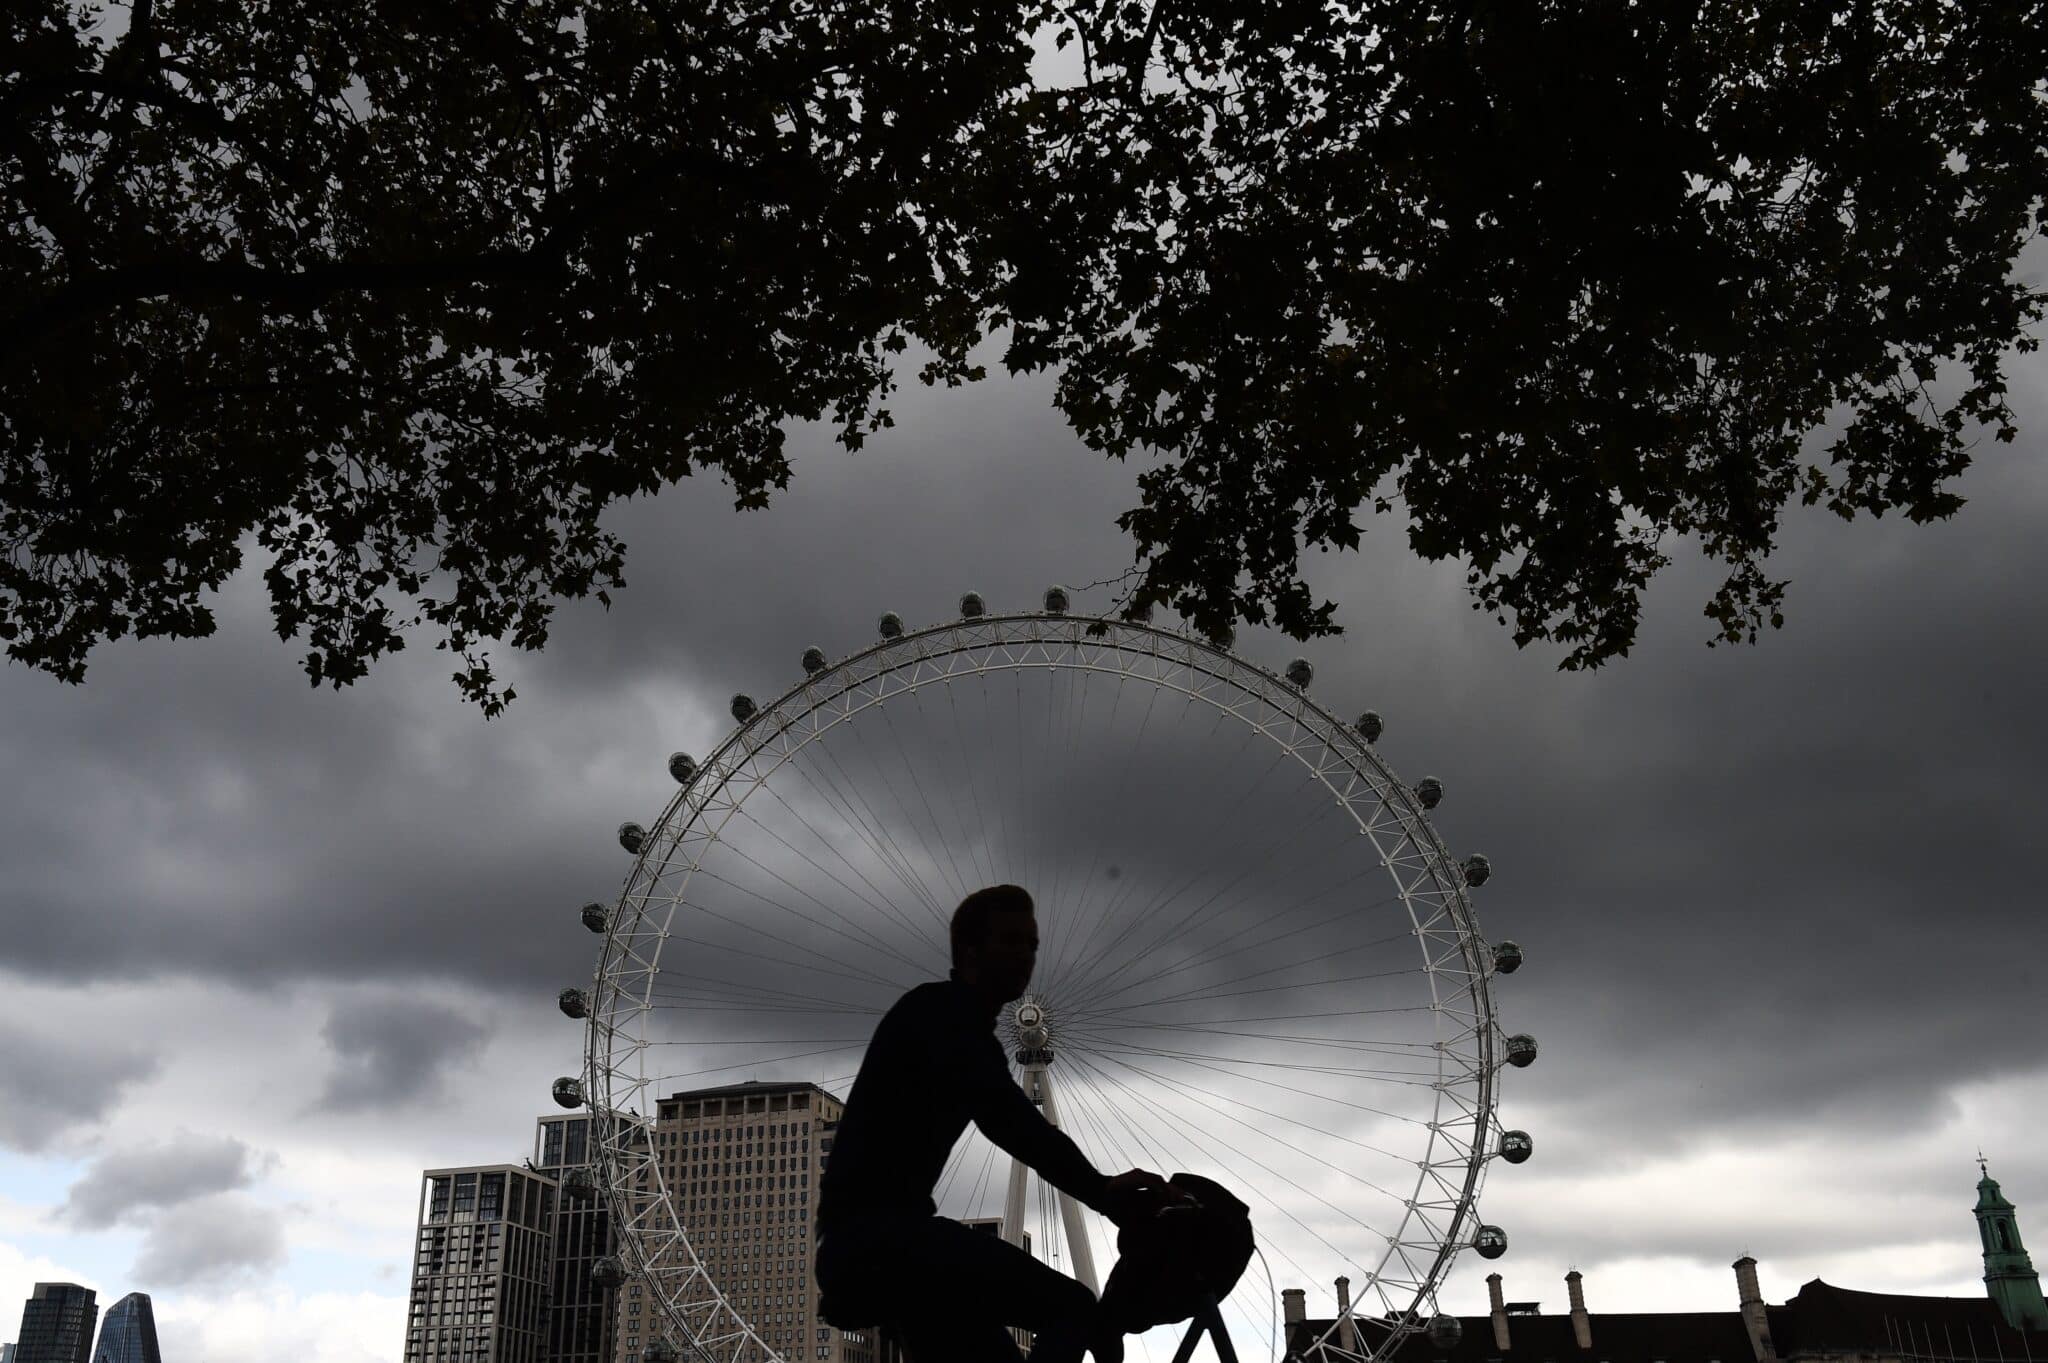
{"points": [[1031, 1021]]}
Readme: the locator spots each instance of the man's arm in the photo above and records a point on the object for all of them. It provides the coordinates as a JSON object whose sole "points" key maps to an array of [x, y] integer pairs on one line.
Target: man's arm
{"points": [[1016, 1125]]}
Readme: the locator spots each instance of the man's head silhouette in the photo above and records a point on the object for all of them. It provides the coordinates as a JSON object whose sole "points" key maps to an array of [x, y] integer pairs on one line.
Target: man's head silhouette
{"points": [[995, 943]]}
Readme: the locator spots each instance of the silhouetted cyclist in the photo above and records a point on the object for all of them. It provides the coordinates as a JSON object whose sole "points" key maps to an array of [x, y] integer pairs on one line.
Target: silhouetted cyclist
{"points": [[885, 1257]]}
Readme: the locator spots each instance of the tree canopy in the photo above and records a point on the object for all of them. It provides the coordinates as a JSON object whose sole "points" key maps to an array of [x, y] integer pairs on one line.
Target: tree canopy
{"points": [[405, 295]]}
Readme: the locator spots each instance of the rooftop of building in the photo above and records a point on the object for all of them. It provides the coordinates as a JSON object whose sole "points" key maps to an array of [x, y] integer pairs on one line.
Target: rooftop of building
{"points": [[750, 1088], [1819, 1318]]}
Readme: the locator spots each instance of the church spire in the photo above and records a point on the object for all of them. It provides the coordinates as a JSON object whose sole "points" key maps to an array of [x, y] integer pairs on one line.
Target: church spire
{"points": [[2008, 1270]]}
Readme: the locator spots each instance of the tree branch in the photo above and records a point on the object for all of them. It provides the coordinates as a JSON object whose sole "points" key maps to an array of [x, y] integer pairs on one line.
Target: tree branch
{"points": [[105, 289]]}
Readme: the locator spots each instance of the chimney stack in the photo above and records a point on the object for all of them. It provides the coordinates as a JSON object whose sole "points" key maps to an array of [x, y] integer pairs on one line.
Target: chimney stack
{"points": [[1754, 1318], [1500, 1312], [1347, 1328], [1293, 1306], [1582, 1324]]}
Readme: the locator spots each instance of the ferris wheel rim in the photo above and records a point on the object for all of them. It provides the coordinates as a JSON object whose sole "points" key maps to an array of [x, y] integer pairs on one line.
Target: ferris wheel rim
{"points": [[1137, 639]]}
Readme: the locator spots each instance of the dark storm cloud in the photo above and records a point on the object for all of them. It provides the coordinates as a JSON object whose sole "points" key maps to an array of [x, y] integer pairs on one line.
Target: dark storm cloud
{"points": [[54, 1081], [211, 1241], [131, 1183], [394, 1050], [1758, 887]]}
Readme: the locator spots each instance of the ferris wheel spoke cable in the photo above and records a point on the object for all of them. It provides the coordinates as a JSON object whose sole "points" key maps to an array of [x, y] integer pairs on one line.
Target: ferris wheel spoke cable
{"points": [[807, 859], [1266, 1129], [1267, 939], [877, 899], [1009, 837], [1401, 1049], [1115, 802], [1310, 1126], [1196, 996], [882, 841], [1212, 838], [954, 1163], [773, 902], [1178, 1122], [948, 841], [1129, 890], [863, 977], [1207, 991], [986, 869], [1094, 982], [896, 797], [1308, 1093], [1170, 1127], [866, 823], [1360, 1072], [725, 989], [1074, 901], [755, 1062], [1087, 998]]}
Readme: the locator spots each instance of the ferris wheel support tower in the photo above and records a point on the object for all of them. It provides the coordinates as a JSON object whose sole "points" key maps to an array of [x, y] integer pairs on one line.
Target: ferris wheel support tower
{"points": [[1035, 1054]]}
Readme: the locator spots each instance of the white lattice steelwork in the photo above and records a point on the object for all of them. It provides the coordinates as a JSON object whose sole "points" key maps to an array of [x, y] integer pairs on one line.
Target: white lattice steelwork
{"points": [[1171, 806]]}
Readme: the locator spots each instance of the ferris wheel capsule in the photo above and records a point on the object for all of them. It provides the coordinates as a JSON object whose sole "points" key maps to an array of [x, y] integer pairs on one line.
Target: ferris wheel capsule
{"points": [[595, 918], [1445, 1332], [814, 661], [1140, 612], [1222, 637], [1477, 870], [890, 625], [1056, 600], [1490, 1241], [579, 1183], [1370, 725], [1516, 1147], [569, 1091], [658, 1351], [1507, 957], [743, 708], [1300, 673], [683, 767], [1521, 1050], [1429, 792], [607, 1273], [573, 1003], [632, 837], [972, 607]]}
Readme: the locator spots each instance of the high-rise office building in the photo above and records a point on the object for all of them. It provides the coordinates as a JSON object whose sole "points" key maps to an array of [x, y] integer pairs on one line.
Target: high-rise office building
{"points": [[128, 1334], [480, 1266], [741, 1164], [56, 1324], [7, 1352], [580, 1313]]}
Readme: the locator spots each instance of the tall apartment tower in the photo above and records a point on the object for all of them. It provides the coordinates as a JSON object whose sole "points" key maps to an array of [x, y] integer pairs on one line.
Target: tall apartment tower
{"points": [[742, 1164], [128, 1334], [480, 1266], [580, 1314], [56, 1324]]}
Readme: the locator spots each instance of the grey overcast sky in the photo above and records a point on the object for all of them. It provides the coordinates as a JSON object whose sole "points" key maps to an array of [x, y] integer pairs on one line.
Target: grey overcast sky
{"points": [[270, 951]]}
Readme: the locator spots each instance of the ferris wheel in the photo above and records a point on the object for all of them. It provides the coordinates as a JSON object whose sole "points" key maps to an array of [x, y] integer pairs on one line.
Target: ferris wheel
{"points": [[1259, 963]]}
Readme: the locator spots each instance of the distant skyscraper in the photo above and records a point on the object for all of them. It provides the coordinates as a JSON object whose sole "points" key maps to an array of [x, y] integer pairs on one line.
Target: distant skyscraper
{"points": [[6, 1353], [741, 1164], [580, 1313], [480, 1265], [56, 1324], [128, 1334]]}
